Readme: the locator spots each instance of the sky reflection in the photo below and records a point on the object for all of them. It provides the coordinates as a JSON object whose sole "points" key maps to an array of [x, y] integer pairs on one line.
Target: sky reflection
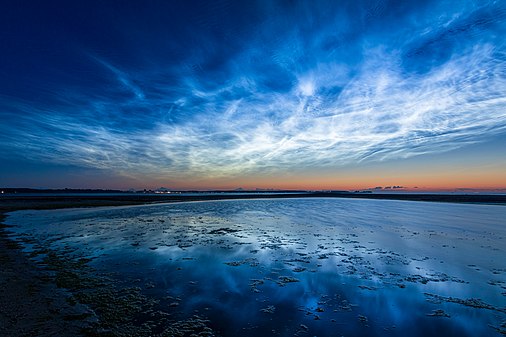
{"points": [[256, 266]]}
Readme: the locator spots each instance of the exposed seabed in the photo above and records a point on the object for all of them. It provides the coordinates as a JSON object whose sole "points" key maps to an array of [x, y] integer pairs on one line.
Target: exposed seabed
{"points": [[275, 267]]}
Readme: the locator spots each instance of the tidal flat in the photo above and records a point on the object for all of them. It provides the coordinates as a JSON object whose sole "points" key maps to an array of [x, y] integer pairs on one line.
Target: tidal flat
{"points": [[281, 267]]}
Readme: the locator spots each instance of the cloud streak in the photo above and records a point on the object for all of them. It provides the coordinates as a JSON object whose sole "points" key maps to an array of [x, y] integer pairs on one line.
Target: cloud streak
{"points": [[282, 103]]}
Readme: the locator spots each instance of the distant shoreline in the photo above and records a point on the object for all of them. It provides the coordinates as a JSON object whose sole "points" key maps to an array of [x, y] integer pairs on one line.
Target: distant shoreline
{"points": [[11, 202]]}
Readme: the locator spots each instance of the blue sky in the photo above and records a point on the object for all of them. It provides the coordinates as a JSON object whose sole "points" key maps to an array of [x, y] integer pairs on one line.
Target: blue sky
{"points": [[229, 93]]}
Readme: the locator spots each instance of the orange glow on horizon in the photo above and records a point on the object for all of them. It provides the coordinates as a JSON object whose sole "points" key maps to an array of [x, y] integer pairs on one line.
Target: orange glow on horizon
{"points": [[443, 181]]}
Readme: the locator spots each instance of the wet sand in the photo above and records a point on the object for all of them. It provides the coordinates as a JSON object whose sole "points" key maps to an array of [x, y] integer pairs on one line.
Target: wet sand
{"points": [[31, 302], [39, 299]]}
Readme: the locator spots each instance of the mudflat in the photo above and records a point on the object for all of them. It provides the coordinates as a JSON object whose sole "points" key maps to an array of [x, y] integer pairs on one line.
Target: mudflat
{"points": [[55, 288]]}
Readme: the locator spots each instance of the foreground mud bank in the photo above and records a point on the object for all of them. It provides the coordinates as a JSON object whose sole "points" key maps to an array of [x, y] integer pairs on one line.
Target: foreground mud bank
{"points": [[48, 293]]}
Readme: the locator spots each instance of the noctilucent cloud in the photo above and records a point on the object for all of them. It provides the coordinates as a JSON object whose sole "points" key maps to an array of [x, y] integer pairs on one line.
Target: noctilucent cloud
{"points": [[283, 94]]}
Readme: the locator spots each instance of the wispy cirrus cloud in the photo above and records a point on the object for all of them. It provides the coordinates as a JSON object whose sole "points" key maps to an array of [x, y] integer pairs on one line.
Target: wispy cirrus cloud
{"points": [[281, 103]]}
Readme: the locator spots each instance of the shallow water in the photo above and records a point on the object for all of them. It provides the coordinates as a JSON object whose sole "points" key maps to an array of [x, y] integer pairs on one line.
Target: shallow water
{"points": [[301, 266]]}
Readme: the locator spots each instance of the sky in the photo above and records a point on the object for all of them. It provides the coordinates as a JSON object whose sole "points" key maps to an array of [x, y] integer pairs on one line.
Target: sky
{"points": [[253, 94]]}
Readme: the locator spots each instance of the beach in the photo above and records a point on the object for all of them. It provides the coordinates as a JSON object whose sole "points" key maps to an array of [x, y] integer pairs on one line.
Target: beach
{"points": [[155, 269]]}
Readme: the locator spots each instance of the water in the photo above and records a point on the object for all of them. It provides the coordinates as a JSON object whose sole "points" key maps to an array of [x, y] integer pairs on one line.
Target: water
{"points": [[301, 266]]}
